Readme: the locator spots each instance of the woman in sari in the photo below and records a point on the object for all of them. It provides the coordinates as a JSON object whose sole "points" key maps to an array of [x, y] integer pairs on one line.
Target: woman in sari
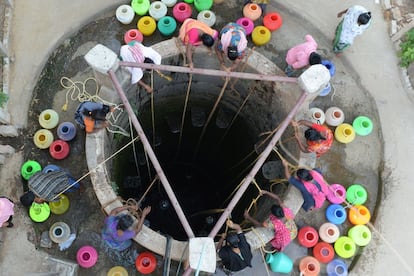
{"points": [[356, 20]]}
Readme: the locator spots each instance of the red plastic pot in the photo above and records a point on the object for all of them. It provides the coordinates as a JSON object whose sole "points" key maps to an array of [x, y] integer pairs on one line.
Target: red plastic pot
{"points": [[146, 263], [308, 236], [324, 252], [272, 21], [59, 149]]}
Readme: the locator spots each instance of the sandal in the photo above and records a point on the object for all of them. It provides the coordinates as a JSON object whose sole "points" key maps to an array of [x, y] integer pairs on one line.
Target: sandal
{"points": [[10, 225]]}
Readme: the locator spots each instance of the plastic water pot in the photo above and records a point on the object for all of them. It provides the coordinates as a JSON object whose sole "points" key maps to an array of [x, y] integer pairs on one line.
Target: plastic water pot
{"points": [[272, 21], [48, 118], [362, 125], [279, 262], [329, 232], [308, 236], [29, 168], [360, 234], [252, 11], [169, 3], [335, 214], [87, 256], [66, 131], [356, 194], [51, 168], [140, 7], [167, 25], [202, 5], [117, 271], [323, 252], [359, 214], [261, 35], [247, 24], [59, 232], [316, 115], [43, 138], [336, 194], [337, 267], [157, 10], [133, 35], [59, 149], [182, 11], [345, 247], [146, 262], [330, 66], [344, 133], [125, 14], [39, 212], [326, 90], [60, 206], [147, 25], [309, 266], [189, 1], [207, 17], [334, 116]]}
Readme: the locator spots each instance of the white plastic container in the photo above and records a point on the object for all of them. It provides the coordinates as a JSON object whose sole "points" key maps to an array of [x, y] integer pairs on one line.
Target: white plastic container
{"points": [[157, 10], [208, 17], [316, 115], [169, 3], [334, 116], [125, 14]]}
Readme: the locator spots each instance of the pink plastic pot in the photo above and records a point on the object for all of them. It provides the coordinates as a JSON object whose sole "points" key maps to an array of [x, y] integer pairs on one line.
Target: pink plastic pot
{"points": [[133, 35], [87, 256], [182, 11], [59, 149], [247, 24]]}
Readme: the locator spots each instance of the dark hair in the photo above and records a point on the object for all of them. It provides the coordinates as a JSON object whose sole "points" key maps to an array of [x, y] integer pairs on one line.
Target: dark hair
{"points": [[364, 18], [315, 58], [313, 135], [207, 40], [232, 52], [148, 60], [27, 198], [233, 240], [304, 174], [124, 222], [277, 211]]}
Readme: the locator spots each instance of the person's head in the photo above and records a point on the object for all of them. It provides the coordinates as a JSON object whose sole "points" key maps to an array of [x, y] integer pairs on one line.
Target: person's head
{"points": [[364, 18], [124, 222], [312, 134], [304, 174], [233, 240], [27, 198], [277, 211], [208, 40], [315, 58], [232, 53]]}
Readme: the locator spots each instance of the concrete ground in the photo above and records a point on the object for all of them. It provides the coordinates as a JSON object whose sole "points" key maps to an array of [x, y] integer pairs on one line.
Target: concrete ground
{"points": [[372, 60]]}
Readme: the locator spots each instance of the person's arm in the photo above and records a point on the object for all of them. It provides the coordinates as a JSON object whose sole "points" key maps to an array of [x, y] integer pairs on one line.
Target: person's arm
{"points": [[234, 226], [286, 168], [235, 64], [220, 56], [189, 54], [146, 86], [274, 196], [342, 13], [117, 210], [305, 123], [220, 242], [251, 219], [145, 212]]}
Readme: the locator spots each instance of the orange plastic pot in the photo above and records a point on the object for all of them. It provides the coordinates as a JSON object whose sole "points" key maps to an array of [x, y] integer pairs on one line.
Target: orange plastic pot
{"points": [[359, 214], [309, 266], [252, 11]]}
